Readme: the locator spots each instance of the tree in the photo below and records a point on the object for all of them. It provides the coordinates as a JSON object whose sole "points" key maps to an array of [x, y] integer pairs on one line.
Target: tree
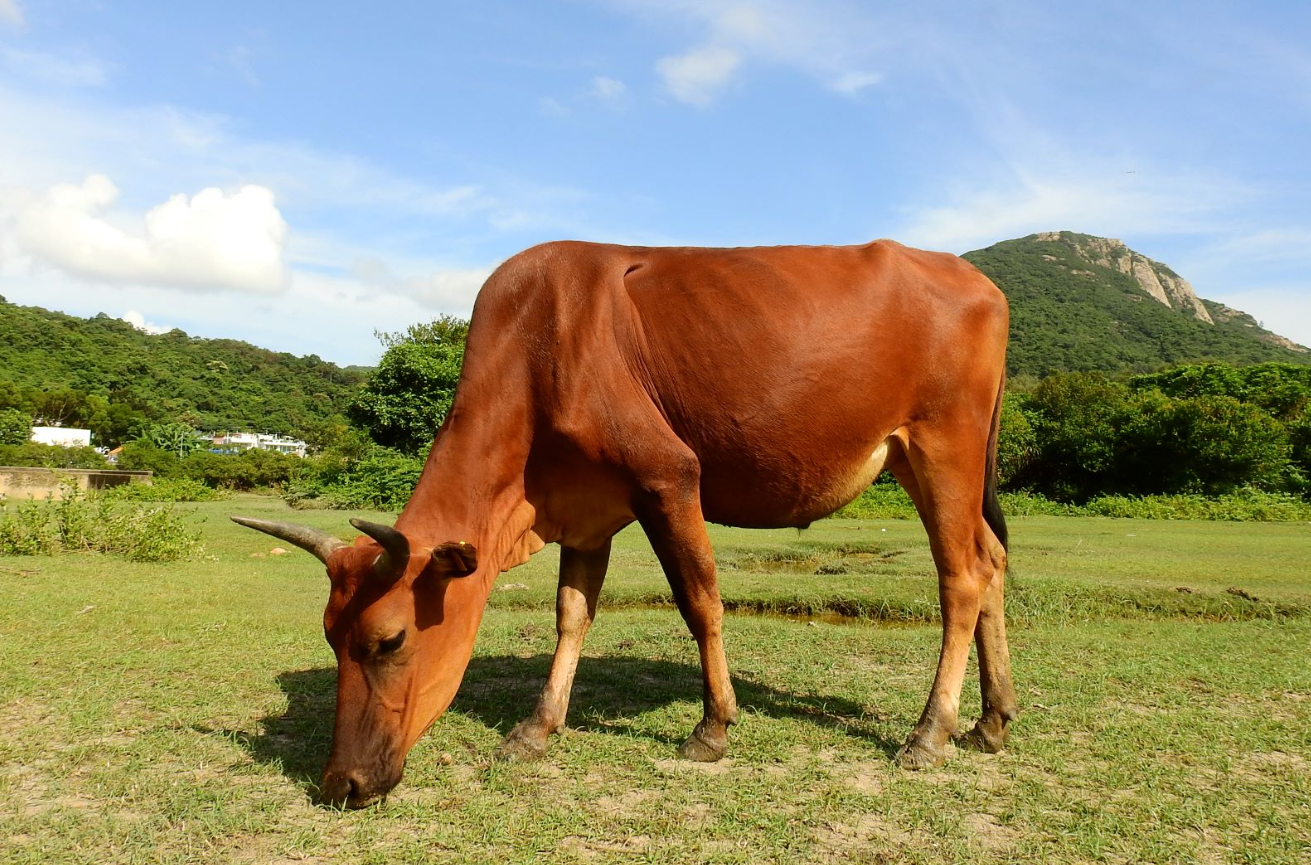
{"points": [[407, 397], [178, 439], [15, 426]]}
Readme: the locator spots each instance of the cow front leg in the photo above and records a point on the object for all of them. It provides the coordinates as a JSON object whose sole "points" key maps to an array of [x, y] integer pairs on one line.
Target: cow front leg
{"points": [[581, 576], [673, 522]]}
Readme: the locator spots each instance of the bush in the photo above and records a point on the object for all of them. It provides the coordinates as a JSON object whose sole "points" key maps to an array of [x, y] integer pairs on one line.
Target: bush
{"points": [[144, 456], [381, 478], [165, 490], [1080, 435], [885, 500], [50, 456], [1243, 505], [78, 524], [247, 470]]}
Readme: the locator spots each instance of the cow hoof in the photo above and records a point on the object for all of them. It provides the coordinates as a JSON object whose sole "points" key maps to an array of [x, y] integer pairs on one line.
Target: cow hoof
{"points": [[919, 755], [703, 746], [983, 737], [520, 748]]}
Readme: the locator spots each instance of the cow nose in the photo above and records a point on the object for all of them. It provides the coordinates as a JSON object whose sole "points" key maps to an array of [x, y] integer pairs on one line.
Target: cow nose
{"points": [[343, 789]]}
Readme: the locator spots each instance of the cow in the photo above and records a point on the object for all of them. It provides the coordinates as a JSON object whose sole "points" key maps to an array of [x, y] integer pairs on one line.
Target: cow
{"points": [[602, 384]]}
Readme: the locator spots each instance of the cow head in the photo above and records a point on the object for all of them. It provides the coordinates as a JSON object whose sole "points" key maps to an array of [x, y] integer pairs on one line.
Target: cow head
{"points": [[402, 623]]}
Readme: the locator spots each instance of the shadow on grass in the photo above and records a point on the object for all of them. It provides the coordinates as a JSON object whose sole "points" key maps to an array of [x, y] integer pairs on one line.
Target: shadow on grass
{"points": [[500, 691]]}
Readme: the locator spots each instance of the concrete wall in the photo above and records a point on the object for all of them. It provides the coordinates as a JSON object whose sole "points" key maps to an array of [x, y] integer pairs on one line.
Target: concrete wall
{"points": [[34, 483]]}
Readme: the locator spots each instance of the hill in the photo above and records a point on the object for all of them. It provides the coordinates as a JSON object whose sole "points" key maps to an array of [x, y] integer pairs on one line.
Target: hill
{"points": [[214, 384], [1080, 302]]}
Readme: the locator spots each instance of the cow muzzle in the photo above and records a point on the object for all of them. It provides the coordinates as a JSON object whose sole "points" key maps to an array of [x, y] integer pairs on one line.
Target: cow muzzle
{"points": [[352, 789]]}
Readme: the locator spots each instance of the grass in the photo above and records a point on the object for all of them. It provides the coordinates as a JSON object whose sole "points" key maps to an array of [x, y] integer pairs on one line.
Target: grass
{"points": [[179, 712]]}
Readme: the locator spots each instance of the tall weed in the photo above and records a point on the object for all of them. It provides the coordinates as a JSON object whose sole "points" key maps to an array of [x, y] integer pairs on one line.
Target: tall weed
{"points": [[76, 523]]}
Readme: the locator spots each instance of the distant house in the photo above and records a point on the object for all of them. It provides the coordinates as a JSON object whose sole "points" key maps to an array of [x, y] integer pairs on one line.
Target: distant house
{"points": [[64, 437], [231, 443]]}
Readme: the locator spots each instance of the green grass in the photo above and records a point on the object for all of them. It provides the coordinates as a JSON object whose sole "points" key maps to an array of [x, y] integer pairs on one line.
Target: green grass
{"points": [[180, 712]]}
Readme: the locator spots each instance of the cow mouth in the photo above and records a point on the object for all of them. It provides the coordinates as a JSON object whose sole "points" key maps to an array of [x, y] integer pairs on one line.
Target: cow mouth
{"points": [[351, 792]]}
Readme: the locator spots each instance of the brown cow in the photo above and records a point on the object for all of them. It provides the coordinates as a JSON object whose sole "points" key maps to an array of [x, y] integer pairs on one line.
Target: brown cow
{"points": [[758, 387]]}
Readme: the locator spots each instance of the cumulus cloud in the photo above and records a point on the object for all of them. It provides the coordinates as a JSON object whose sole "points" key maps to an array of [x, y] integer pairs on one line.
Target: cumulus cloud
{"points": [[210, 240], [11, 12], [698, 76], [138, 321]]}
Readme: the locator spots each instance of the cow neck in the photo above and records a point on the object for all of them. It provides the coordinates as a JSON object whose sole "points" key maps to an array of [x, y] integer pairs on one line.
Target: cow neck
{"points": [[472, 485]]}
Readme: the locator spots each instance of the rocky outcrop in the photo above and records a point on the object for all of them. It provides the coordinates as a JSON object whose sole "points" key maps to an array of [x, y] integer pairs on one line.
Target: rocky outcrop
{"points": [[1221, 312], [1156, 280]]}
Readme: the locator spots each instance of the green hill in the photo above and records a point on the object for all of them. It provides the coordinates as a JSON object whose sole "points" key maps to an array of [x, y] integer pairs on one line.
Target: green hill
{"points": [[1080, 302], [214, 384]]}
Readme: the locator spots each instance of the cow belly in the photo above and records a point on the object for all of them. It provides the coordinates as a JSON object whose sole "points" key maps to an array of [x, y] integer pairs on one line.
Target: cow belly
{"points": [[783, 496]]}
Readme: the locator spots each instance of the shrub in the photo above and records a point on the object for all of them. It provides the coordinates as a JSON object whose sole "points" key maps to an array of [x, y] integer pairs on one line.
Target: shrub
{"points": [[381, 478], [248, 470], [50, 456], [1243, 505], [165, 490], [885, 500], [77, 524], [144, 456]]}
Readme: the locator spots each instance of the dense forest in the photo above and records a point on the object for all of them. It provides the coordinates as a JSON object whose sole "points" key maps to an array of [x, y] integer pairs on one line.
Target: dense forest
{"points": [[104, 374]]}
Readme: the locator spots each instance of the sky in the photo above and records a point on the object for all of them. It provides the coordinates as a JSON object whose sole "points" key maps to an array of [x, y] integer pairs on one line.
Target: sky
{"points": [[300, 175]]}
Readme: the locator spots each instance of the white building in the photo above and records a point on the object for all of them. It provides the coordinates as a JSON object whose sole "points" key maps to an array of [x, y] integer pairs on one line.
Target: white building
{"points": [[241, 441], [64, 437]]}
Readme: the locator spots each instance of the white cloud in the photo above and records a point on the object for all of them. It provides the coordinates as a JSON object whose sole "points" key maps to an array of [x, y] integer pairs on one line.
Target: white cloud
{"points": [[446, 289], [51, 68], [833, 41], [10, 11], [210, 240], [852, 82], [698, 76], [138, 321], [609, 90], [1091, 201]]}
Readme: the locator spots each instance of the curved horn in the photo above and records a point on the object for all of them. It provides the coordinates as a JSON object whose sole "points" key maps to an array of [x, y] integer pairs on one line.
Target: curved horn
{"points": [[321, 544], [396, 548]]}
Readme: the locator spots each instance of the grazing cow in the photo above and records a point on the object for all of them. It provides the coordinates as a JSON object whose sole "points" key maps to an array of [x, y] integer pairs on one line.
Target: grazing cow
{"points": [[756, 387]]}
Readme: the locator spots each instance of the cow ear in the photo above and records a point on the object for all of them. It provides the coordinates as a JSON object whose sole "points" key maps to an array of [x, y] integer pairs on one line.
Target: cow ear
{"points": [[455, 559]]}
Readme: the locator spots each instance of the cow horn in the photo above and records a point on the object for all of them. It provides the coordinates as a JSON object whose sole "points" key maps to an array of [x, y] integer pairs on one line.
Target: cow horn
{"points": [[395, 546], [321, 544]]}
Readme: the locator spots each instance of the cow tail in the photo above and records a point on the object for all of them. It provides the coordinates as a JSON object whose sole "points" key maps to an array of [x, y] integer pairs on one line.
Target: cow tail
{"points": [[992, 514]]}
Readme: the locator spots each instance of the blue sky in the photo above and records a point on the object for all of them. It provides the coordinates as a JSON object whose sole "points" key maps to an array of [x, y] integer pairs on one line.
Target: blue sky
{"points": [[301, 174]]}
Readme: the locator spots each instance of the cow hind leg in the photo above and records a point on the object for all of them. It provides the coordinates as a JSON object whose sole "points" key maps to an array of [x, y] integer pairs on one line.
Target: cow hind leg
{"points": [[581, 576], [946, 482], [998, 691]]}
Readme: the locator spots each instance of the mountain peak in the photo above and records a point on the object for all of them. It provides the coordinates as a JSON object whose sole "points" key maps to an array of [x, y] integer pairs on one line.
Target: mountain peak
{"points": [[1081, 302], [1155, 279]]}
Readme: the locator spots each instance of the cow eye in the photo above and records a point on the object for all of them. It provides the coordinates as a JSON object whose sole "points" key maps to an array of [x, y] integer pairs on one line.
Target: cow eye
{"points": [[391, 644]]}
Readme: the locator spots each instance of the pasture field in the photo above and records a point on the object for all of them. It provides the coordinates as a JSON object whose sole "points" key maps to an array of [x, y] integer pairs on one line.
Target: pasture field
{"points": [[181, 712]]}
